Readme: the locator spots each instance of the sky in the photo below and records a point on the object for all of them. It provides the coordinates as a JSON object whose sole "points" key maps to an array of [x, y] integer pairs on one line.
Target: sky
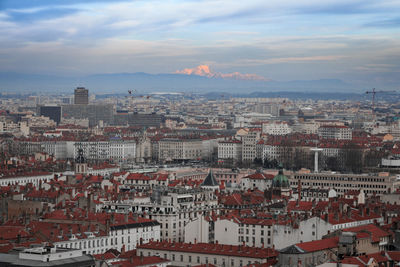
{"points": [[355, 41]]}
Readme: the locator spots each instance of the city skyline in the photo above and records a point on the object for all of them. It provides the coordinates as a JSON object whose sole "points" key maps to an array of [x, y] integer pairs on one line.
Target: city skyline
{"points": [[352, 41]]}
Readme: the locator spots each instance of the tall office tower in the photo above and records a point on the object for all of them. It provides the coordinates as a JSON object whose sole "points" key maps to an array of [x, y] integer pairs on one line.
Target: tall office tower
{"points": [[81, 96], [53, 112]]}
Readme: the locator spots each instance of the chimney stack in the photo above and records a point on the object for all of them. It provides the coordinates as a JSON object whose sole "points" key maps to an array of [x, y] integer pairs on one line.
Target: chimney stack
{"points": [[107, 226], [348, 212], [336, 214]]}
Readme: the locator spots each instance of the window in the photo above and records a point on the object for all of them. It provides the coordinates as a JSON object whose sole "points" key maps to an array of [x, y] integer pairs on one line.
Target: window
{"points": [[198, 259], [190, 258]]}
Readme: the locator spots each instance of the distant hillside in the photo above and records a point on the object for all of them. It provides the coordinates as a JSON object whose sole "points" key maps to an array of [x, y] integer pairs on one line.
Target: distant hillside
{"points": [[146, 83]]}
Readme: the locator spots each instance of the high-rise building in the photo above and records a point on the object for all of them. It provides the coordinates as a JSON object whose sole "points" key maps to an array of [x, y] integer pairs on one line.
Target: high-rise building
{"points": [[94, 113], [52, 112], [81, 96]]}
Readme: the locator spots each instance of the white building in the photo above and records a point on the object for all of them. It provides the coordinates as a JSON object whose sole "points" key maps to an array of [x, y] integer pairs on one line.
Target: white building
{"points": [[209, 146], [171, 149], [121, 231], [198, 230], [276, 128], [58, 149], [310, 229], [249, 143], [122, 150], [260, 181], [174, 209], [371, 184], [35, 178], [338, 132], [20, 128], [305, 127], [231, 230], [230, 150], [117, 149], [270, 151]]}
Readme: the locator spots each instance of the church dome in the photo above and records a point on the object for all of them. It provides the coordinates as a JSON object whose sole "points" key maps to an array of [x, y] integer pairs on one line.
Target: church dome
{"points": [[280, 180]]}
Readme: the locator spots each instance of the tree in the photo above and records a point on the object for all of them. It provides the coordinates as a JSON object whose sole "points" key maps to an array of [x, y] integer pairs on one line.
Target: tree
{"points": [[257, 162], [352, 158], [332, 164]]}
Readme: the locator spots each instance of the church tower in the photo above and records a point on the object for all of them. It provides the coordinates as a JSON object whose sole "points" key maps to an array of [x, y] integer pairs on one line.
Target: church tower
{"points": [[80, 163]]}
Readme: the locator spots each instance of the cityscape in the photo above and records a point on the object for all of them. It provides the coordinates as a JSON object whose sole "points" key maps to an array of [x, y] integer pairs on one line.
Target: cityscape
{"points": [[242, 135]]}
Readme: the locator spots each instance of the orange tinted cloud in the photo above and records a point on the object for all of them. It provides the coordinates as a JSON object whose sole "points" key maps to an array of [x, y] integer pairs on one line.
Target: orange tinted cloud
{"points": [[204, 70]]}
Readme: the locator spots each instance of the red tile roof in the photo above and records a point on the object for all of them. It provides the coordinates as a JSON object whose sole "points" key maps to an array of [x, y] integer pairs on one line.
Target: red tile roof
{"points": [[260, 176], [318, 245], [217, 249], [137, 176], [140, 261], [376, 232]]}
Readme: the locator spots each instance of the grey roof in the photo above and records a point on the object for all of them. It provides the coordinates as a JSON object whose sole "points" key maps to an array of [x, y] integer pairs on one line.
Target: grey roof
{"points": [[293, 249], [14, 260], [347, 237], [210, 180]]}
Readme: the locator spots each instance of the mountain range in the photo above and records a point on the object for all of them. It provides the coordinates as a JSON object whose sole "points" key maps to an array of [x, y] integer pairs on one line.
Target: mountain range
{"points": [[175, 82]]}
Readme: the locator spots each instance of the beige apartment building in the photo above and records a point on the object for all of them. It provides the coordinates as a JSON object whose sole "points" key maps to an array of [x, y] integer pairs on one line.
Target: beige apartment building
{"points": [[337, 132], [378, 184], [171, 149], [249, 143], [230, 150]]}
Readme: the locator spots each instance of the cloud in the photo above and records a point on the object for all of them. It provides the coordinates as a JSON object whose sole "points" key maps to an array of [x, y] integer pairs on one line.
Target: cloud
{"points": [[387, 23], [281, 39], [29, 16], [374, 68], [292, 59], [204, 70]]}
